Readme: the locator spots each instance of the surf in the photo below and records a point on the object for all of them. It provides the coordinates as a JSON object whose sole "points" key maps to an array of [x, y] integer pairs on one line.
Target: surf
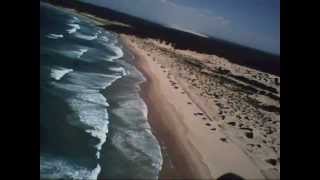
{"points": [[55, 36], [90, 86]]}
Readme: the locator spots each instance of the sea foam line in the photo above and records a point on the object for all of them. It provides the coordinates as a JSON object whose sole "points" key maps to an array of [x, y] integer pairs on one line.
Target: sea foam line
{"points": [[86, 37], [55, 36], [58, 73], [118, 52], [74, 28], [81, 52], [73, 53], [90, 108], [119, 70], [75, 19], [60, 168]]}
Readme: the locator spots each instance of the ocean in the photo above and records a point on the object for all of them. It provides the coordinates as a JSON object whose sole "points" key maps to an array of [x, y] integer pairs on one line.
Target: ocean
{"points": [[93, 123]]}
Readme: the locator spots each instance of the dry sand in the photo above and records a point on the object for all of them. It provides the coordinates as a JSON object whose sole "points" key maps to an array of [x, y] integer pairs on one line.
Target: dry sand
{"points": [[200, 117]]}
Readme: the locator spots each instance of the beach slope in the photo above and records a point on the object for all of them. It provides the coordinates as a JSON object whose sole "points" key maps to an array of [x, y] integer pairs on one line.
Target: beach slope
{"points": [[196, 139]]}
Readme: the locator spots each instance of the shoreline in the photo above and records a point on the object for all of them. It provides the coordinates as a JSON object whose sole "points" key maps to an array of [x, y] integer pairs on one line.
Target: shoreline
{"points": [[185, 168], [196, 152]]}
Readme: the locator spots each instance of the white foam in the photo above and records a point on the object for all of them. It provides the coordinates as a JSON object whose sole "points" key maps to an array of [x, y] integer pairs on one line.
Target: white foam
{"points": [[92, 80], [55, 36], [94, 116], [60, 168], [118, 52], [81, 52], [95, 98], [144, 109], [75, 53], [58, 72], [138, 146], [139, 143], [86, 37], [102, 136], [90, 108], [119, 69], [74, 19], [72, 88], [74, 28], [104, 38]]}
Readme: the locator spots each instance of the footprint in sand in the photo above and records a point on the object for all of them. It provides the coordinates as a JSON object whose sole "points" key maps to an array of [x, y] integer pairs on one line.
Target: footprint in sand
{"points": [[249, 135], [259, 145], [223, 140], [232, 123], [271, 161], [198, 113], [208, 124], [189, 103], [213, 129]]}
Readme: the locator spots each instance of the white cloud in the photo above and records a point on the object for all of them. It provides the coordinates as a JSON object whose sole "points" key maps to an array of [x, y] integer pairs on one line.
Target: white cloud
{"points": [[169, 2], [221, 20]]}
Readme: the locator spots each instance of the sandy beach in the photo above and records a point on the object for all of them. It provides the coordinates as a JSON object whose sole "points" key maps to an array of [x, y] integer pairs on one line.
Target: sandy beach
{"points": [[214, 116], [202, 145]]}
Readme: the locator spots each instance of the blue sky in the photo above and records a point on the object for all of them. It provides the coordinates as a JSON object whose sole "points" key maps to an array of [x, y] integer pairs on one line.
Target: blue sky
{"points": [[253, 23]]}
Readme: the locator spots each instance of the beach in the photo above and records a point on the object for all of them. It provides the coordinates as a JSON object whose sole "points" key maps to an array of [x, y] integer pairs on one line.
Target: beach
{"points": [[210, 116], [199, 144]]}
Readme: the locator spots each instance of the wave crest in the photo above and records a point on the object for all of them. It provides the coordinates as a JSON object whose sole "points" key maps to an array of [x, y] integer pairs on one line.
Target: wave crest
{"points": [[74, 28], [54, 36]]}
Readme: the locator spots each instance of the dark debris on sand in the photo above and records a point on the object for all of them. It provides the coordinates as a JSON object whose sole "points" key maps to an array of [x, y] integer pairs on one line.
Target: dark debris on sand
{"points": [[230, 176]]}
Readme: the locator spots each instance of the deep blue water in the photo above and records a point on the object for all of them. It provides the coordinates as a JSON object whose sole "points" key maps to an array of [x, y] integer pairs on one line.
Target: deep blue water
{"points": [[93, 123]]}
